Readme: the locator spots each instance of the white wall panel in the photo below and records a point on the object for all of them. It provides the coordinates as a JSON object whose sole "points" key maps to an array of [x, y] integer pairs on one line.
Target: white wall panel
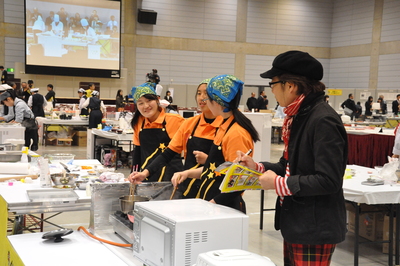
{"points": [[350, 72], [352, 22], [183, 67], [288, 22], [388, 74], [14, 11], [199, 19], [391, 21]]}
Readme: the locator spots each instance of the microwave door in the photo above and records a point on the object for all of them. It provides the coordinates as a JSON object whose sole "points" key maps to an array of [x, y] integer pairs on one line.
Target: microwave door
{"points": [[155, 243]]}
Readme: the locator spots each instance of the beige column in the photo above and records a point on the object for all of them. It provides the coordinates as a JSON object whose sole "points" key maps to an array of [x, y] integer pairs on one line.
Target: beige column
{"points": [[376, 38], [2, 40], [128, 41], [241, 28]]}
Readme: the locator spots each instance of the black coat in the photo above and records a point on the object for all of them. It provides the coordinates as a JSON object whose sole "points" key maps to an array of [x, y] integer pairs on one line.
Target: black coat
{"points": [[315, 213], [251, 103], [349, 103], [261, 103], [395, 107]]}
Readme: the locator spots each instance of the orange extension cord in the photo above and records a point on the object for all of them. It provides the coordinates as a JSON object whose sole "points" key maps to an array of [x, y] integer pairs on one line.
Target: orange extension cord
{"points": [[103, 240]]}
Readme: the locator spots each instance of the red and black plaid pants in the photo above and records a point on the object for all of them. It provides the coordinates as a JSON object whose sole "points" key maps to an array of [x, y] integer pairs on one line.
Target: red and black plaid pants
{"points": [[307, 255]]}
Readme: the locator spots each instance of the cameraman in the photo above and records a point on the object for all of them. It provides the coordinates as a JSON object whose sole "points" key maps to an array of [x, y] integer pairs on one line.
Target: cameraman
{"points": [[155, 78]]}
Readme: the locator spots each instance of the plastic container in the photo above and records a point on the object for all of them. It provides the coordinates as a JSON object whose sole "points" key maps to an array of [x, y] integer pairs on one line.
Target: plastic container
{"points": [[60, 157], [24, 156]]}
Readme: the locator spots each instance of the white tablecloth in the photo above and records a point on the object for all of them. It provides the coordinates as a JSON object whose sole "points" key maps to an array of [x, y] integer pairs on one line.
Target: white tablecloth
{"points": [[76, 249], [356, 192]]}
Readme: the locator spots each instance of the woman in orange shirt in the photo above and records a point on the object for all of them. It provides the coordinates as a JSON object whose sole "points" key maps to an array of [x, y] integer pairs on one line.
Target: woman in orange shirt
{"points": [[195, 137], [153, 130], [235, 133]]}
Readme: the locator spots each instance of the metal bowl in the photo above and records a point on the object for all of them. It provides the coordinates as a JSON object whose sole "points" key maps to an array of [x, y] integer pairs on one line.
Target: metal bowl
{"points": [[81, 183], [128, 202], [62, 180]]}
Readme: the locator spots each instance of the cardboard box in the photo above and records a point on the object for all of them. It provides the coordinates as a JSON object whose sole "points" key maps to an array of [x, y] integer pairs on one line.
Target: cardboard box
{"points": [[79, 140], [371, 221], [81, 133], [385, 246]]}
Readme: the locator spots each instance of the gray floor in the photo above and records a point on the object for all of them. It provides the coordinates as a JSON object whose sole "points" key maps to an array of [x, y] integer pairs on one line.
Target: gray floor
{"points": [[267, 242]]}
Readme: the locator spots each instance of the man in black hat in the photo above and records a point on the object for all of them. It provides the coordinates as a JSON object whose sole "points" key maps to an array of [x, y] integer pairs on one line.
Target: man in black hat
{"points": [[310, 208]]}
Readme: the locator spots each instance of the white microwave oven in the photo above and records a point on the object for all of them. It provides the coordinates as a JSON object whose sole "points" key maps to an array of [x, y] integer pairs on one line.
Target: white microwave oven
{"points": [[175, 232]]}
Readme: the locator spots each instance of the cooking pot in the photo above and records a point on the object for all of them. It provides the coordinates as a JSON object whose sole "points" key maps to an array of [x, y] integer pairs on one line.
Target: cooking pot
{"points": [[128, 202]]}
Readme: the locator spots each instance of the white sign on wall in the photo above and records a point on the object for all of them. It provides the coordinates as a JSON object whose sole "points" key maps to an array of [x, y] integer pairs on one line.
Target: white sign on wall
{"points": [[364, 95]]}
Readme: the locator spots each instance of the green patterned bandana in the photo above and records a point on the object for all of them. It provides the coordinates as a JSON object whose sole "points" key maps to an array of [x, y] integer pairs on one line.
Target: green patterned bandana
{"points": [[224, 88], [145, 88], [206, 81]]}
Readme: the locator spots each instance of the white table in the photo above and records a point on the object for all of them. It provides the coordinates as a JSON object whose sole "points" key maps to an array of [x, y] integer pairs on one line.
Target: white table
{"points": [[17, 200], [76, 249], [45, 123], [355, 192], [117, 140]]}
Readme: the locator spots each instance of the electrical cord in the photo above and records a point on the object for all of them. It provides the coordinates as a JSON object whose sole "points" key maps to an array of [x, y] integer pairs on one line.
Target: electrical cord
{"points": [[103, 240]]}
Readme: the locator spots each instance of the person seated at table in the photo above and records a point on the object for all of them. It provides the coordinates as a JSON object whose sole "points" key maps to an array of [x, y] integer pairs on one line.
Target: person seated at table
{"points": [[114, 33], [57, 27], [153, 130], [89, 32], [38, 27], [96, 25], [111, 24], [358, 112]]}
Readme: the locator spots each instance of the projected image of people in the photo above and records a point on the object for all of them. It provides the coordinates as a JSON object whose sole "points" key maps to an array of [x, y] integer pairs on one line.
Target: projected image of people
{"points": [[78, 36]]}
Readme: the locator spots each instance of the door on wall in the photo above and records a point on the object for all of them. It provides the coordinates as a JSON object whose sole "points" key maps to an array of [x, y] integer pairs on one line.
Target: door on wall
{"points": [[85, 85]]}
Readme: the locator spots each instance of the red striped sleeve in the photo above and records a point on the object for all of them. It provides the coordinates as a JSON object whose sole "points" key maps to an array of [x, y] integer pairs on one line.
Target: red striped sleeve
{"points": [[260, 167], [281, 186]]}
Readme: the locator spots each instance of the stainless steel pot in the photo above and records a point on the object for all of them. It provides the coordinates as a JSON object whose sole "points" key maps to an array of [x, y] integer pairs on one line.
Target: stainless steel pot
{"points": [[127, 203]]}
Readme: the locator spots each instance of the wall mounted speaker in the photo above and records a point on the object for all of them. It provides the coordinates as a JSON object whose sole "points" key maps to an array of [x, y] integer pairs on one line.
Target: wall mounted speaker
{"points": [[147, 16]]}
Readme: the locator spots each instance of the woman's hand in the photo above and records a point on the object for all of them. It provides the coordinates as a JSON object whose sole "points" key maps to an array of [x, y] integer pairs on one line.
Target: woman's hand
{"points": [[138, 177], [179, 177], [200, 156], [245, 160], [267, 180]]}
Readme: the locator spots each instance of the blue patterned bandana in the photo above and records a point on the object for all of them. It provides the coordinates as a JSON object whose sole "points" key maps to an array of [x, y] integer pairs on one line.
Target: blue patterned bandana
{"points": [[145, 88], [224, 88]]}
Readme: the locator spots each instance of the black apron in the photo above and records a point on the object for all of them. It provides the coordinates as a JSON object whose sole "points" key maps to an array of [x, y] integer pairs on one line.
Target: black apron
{"points": [[211, 182], [37, 105], [95, 115], [190, 186], [84, 111], [153, 141]]}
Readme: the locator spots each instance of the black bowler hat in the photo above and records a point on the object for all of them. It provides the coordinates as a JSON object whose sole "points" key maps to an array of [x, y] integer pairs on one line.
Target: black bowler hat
{"points": [[296, 63]]}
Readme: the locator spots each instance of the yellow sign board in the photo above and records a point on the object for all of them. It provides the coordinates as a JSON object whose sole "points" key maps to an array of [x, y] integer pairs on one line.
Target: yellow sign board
{"points": [[334, 92]]}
